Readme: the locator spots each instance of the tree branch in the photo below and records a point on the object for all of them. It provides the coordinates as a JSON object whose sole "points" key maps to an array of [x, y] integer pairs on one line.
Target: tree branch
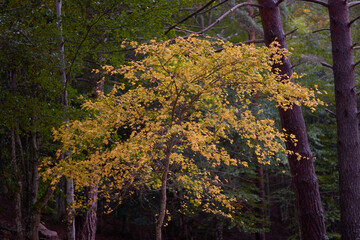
{"points": [[356, 64], [317, 2], [189, 16], [291, 32], [322, 29], [86, 35], [227, 13], [353, 4], [215, 6], [352, 21], [331, 112], [326, 65]]}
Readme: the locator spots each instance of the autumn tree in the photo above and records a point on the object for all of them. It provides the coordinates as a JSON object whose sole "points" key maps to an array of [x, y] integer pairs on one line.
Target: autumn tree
{"points": [[175, 106]]}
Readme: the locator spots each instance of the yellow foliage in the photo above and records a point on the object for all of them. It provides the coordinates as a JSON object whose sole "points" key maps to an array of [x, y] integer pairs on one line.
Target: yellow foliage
{"points": [[179, 104]]}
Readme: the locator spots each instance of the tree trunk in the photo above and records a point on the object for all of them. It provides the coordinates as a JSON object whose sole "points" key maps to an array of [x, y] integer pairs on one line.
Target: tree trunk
{"points": [[346, 119], [69, 182], [163, 200], [304, 179], [261, 188], [86, 222], [18, 189], [70, 218]]}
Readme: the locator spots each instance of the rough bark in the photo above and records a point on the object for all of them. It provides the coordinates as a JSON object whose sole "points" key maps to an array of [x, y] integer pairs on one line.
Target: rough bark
{"points": [[86, 222], [18, 189], [346, 118], [304, 181]]}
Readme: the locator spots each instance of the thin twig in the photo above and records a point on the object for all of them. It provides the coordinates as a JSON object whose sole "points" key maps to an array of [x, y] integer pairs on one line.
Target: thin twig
{"points": [[356, 63], [189, 16], [323, 29], [317, 2], [215, 6], [352, 21], [331, 112], [227, 13], [291, 32], [85, 37]]}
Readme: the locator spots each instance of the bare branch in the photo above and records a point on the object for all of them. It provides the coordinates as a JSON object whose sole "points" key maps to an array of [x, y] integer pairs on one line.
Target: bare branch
{"points": [[291, 32], [352, 21], [227, 13], [358, 47], [331, 112], [356, 64], [317, 2], [323, 29], [326, 65], [189, 16], [353, 4]]}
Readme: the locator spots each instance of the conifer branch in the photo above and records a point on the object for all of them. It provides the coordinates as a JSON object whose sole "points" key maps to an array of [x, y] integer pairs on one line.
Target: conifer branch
{"points": [[227, 13], [291, 32], [353, 4], [331, 112], [322, 29], [317, 2], [352, 21], [356, 63], [326, 65]]}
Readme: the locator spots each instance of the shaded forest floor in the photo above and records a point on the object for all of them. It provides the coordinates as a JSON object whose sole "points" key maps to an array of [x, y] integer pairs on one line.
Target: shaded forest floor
{"points": [[110, 228]]}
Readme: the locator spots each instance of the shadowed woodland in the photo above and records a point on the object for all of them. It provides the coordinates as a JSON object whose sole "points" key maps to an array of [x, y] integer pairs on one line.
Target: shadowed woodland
{"points": [[179, 120]]}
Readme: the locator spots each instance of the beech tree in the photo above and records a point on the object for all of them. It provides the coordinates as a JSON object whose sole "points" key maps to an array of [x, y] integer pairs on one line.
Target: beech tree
{"points": [[174, 105]]}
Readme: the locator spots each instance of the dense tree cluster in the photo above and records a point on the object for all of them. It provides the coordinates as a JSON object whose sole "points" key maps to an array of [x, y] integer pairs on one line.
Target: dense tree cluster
{"points": [[180, 119]]}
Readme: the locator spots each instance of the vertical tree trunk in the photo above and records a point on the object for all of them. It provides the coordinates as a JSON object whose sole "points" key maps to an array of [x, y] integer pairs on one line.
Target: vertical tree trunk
{"points": [[18, 189], [70, 218], [163, 200], [259, 168], [304, 180], [69, 182], [346, 119], [86, 222], [261, 188]]}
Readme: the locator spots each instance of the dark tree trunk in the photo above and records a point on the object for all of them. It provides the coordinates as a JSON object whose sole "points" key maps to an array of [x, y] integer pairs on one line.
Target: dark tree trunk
{"points": [[86, 222], [304, 179], [261, 188], [18, 189], [347, 119]]}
